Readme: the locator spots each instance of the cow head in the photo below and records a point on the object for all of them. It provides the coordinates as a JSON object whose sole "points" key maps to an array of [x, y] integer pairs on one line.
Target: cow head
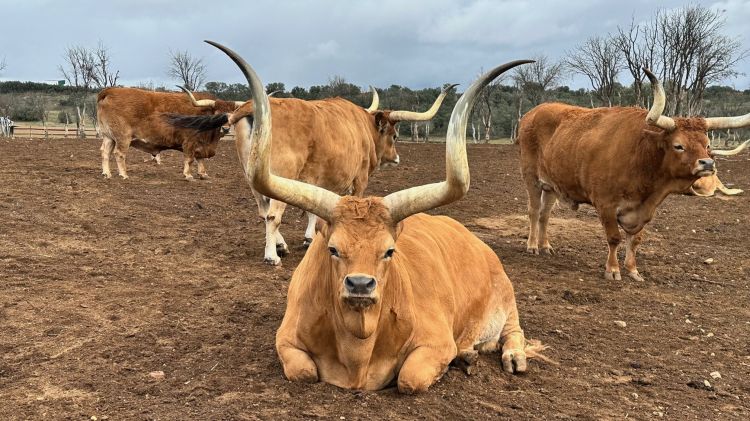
{"points": [[357, 243], [684, 141], [386, 124], [217, 106]]}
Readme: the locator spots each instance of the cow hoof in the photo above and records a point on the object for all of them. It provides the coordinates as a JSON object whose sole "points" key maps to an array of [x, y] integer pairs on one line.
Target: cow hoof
{"points": [[189, 178], [282, 249], [612, 276], [272, 261], [203, 176], [108, 176], [307, 242], [532, 250], [124, 177], [634, 275], [514, 361], [547, 250]]}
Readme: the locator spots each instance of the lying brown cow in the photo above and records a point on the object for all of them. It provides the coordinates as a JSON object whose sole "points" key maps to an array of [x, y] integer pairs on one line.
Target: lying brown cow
{"points": [[623, 161], [331, 143], [707, 186], [385, 291], [134, 117]]}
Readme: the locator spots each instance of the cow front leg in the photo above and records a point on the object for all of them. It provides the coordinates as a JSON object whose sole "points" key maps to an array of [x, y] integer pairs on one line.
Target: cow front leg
{"points": [[297, 364], [108, 145], [612, 230], [424, 366], [310, 231], [548, 201], [633, 241], [202, 173]]}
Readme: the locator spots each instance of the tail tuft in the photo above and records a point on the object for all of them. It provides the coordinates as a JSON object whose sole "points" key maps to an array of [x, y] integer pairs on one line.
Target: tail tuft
{"points": [[534, 349], [201, 123]]}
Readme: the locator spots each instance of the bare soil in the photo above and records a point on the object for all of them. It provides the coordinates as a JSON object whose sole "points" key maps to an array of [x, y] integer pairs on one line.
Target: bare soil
{"points": [[105, 281]]}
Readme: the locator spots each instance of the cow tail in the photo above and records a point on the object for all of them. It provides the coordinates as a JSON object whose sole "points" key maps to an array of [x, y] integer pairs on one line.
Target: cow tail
{"points": [[201, 123], [534, 349]]}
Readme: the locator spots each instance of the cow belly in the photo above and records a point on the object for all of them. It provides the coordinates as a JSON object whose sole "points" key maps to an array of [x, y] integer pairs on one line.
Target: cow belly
{"points": [[147, 147], [493, 328]]}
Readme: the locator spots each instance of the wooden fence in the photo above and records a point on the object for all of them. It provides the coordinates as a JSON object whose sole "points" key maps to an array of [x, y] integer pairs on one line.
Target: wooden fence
{"points": [[61, 132]]}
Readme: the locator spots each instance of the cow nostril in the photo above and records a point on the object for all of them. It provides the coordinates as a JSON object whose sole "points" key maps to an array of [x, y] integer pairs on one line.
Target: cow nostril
{"points": [[348, 283], [708, 162], [370, 285], [360, 284]]}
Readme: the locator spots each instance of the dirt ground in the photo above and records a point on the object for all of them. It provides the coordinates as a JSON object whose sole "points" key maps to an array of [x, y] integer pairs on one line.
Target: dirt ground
{"points": [[105, 281]]}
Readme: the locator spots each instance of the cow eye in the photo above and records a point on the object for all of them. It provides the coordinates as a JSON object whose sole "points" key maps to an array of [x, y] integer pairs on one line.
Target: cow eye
{"points": [[389, 253], [333, 251], [679, 147]]}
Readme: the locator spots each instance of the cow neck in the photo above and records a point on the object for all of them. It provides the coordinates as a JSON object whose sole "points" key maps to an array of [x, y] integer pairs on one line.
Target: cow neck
{"points": [[653, 180], [386, 325]]}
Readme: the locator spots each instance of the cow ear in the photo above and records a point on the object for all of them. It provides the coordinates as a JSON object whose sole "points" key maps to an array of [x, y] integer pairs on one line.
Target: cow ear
{"points": [[399, 228], [381, 121], [321, 226]]}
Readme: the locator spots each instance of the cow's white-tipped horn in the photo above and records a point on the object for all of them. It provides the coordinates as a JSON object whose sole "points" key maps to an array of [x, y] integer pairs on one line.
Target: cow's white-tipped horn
{"points": [[425, 116], [375, 100], [716, 123], [254, 149], [421, 198], [731, 152], [655, 116], [198, 102]]}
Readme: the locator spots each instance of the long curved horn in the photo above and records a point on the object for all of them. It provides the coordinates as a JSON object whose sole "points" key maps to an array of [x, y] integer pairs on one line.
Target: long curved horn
{"points": [[731, 152], [421, 198], [254, 149], [375, 101], [716, 123], [657, 108], [198, 102], [425, 116]]}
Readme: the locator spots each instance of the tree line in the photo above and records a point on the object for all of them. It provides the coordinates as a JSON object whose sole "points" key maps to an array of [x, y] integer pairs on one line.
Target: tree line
{"points": [[686, 48]]}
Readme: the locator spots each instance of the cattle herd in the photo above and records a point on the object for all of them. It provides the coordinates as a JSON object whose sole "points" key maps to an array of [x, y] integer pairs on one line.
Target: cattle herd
{"points": [[386, 294]]}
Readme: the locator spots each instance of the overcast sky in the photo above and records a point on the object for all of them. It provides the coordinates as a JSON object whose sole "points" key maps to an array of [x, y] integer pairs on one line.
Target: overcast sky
{"points": [[415, 43]]}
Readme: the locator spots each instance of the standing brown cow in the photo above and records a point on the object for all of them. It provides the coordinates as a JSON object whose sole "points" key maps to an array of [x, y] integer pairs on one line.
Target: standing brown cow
{"points": [[386, 292], [135, 117], [623, 161], [332, 143]]}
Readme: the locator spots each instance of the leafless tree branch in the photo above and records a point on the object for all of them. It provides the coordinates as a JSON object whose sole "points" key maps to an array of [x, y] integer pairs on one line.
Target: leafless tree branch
{"points": [[189, 70]]}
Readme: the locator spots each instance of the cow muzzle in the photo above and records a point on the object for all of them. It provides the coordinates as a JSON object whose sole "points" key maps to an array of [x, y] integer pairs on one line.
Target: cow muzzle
{"points": [[704, 167], [390, 162], [359, 291]]}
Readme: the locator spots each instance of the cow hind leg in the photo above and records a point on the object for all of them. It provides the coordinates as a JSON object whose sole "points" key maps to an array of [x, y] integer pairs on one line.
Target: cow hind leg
{"points": [[535, 203], [186, 167], [632, 241], [275, 244], [121, 151], [108, 145], [548, 201], [612, 230], [202, 173], [310, 231]]}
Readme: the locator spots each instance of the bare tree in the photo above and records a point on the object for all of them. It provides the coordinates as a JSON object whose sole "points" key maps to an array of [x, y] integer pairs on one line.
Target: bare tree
{"points": [[694, 53], [599, 59], [104, 76], [3, 64], [637, 44], [485, 103], [79, 67], [537, 78], [189, 70]]}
